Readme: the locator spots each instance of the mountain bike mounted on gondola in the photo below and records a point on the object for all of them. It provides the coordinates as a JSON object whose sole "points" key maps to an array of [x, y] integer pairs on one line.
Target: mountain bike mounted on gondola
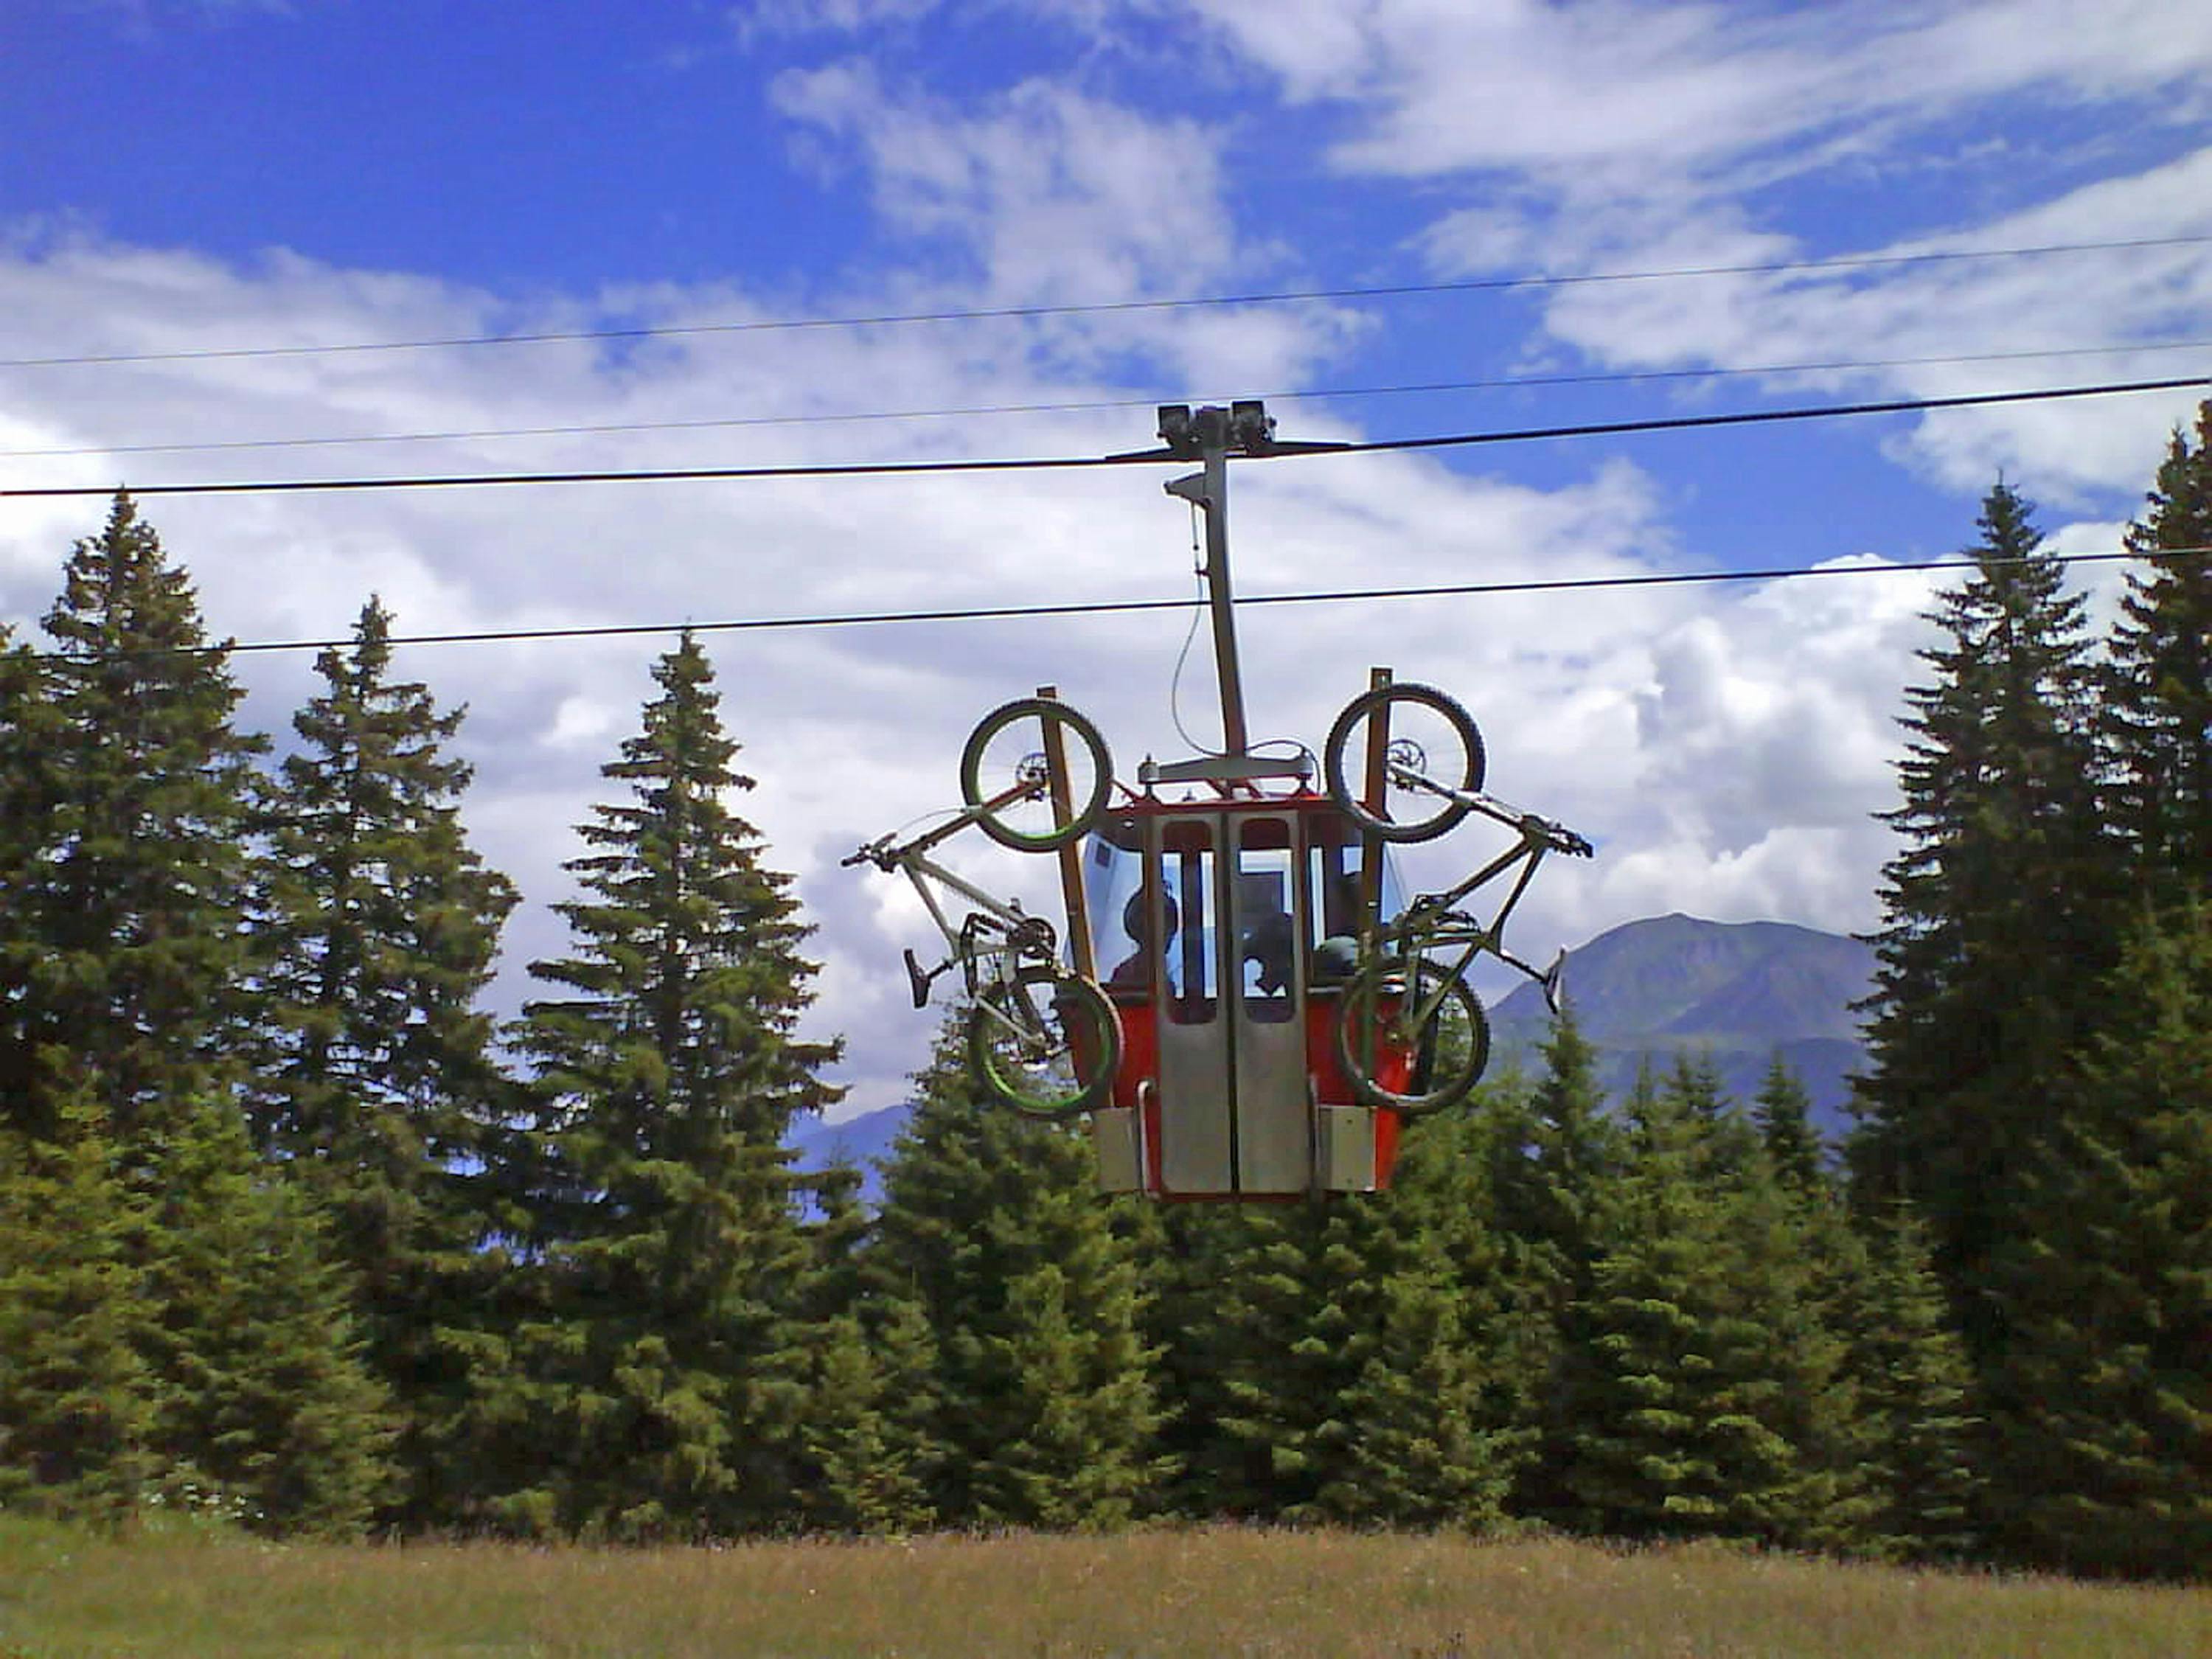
{"points": [[1275, 1011]]}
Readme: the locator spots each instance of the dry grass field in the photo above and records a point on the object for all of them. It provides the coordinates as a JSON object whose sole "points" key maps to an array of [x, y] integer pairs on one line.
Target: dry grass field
{"points": [[1214, 1591]]}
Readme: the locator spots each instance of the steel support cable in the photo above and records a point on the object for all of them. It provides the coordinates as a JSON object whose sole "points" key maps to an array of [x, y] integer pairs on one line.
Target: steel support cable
{"points": [[1107, 307], [893, 469], [1500, 383], [1108, 607]]}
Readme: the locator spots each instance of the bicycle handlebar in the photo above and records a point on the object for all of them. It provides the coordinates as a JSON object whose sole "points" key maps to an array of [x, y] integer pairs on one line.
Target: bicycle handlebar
{"points": [[877, 852], [1553, 835]]}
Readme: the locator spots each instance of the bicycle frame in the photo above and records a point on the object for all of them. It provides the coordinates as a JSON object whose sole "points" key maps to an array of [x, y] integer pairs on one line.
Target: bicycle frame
{"points": [[1430, 923], [1025, 937]]}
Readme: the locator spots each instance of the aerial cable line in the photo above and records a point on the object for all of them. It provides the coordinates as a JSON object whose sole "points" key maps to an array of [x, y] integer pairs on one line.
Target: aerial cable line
{"points": [[1509, 382], [1068, 462], [1115, 607], [1107, 307]]}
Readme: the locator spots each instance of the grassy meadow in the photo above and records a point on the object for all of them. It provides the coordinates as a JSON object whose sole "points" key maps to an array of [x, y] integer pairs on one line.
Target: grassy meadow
{"points": [[194, 1592]]}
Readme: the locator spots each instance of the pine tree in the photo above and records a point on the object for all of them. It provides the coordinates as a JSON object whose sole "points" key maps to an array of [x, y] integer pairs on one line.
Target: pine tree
{"points": [[1784, 1116], [1039, 1410], [861, 1426], [664, 1364], [2159, 697], [27, 724], [1707, 1393], [1917, 1438], [1430, 1434], [865, 1460], [2104, 1400], [265, 1413], [376, 1084], [76, 1398], [1995, 930], [1342, 1360], [1554, 1164], [128, 947]]}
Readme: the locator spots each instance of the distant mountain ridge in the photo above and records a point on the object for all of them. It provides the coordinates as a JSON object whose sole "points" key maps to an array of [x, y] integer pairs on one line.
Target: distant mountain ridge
{"points": [[1740, 992], [860, 1141]]}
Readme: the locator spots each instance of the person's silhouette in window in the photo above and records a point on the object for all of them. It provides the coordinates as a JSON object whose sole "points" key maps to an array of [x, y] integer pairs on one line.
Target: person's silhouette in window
{"points": [[1271, 941], [1135, 971]]}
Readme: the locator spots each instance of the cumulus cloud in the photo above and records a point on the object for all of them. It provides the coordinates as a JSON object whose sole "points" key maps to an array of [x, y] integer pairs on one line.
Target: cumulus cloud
{"points": [[1616, 136], [1724, 746]]}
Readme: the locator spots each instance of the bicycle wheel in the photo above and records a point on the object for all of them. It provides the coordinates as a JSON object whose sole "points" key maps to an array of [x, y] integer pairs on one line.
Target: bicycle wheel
{"points": [[1429, 735], [1412, 1072], [1033, 1042], [1007, 749]]}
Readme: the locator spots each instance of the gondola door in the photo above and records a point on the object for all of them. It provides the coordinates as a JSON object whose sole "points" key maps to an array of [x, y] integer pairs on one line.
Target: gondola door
{"points": [[1235, 1113]]}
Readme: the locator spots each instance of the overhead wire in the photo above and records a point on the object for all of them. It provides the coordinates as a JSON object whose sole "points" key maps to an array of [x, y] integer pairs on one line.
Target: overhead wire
{"points": [[1110, 607], [1036, 463], [1506, 382], [1467, 285]]}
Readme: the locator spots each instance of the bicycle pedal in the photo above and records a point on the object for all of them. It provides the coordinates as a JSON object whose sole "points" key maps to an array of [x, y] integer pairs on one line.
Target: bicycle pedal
{"points": [[919, 980]]}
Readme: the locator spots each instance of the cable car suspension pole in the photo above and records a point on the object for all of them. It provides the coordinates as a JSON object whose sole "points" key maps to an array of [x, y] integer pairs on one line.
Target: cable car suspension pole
{"points": [[1210, 436]]}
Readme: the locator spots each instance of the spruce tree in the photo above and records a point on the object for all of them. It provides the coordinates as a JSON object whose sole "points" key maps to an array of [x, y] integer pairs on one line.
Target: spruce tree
{"points": [[1918, 1439], [1429, 1431], [76, 1397], [1994, 911], [26, 720], [2104, 1396], [1783, 1113], [1555, 1161], [264, 1412], [1342, 1359], [863, 1474], [664, 1368], [1039, 1409], [859, 1430], [375, 1080], [128, 947], [1707, 1393], [2158, 685]]}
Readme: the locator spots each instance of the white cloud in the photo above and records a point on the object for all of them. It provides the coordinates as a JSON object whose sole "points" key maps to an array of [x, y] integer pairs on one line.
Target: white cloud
{"points": [[1051, 196], [1619, 137], [1725, 748], [1600, 98], [849, 731]]}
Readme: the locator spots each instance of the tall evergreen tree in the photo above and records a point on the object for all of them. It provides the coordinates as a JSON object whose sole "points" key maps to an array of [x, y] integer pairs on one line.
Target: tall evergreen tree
{"points": [[27, 719], [1917, 1436], [1342, 1359], [2104, 1399], [217, 1322], [663, 1369], [1039, 1409], [77, 1396], [2159, 698], [1994, 911], [1783, 1115], [1431, 1432], [128, 948], [375, 1080], [263, 1408], [1555, 1163], [1709, 1394]]}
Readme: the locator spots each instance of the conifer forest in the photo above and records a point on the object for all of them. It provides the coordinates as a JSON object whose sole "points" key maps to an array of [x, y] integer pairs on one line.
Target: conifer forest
{"points": [[294, 1230]]}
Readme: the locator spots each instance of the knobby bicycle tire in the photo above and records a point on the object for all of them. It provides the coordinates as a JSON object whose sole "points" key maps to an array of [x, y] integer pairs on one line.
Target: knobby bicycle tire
{"points": [[974, 790], [1041, 1075], [1437, 1079], [1349, 794]]}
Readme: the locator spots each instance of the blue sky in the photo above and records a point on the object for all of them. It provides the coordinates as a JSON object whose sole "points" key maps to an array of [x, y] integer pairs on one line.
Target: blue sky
{"points": [[182, 175]]}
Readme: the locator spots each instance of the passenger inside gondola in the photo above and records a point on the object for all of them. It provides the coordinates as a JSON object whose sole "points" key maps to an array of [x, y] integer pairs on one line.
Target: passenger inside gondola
{"points": [[1134, 972]]}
